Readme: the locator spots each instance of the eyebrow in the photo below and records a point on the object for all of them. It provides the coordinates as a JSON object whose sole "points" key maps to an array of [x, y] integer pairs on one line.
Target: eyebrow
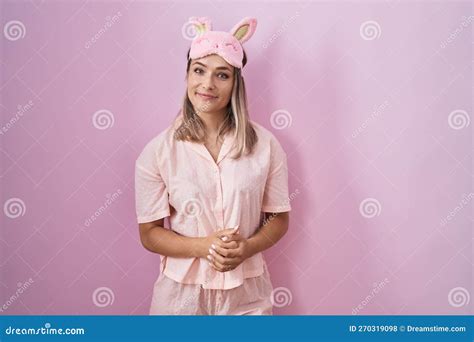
{"points": [[218, 68]]}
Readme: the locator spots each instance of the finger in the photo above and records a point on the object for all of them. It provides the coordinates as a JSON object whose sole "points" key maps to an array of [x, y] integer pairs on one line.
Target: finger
{"points": [[216, 256], [225, 252], [214, 264], [226, 268], [218, 266], [229, 245], [233, 237], [226, 231], [222, 244]]}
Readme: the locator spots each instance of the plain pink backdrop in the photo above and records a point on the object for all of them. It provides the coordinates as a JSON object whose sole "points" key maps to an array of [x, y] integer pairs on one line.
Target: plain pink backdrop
{"points": [[371, 101]]}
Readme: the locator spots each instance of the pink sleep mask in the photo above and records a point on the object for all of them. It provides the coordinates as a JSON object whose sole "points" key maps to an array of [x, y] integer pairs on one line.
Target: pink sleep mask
{"points": [[228, 45]]}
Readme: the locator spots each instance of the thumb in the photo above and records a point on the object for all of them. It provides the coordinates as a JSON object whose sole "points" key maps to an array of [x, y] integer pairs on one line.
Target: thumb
{"points": [[225, 234], [226, 231]]}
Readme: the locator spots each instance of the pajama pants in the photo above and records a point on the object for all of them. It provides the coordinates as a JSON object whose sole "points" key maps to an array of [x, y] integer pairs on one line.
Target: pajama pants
{"points": [[253, 297]]}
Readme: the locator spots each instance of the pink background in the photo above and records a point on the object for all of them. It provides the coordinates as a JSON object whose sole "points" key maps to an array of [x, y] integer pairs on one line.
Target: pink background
{"points": [[384, 117]]}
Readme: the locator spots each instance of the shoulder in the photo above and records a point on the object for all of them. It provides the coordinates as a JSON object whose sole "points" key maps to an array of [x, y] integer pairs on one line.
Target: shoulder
{"points": [[260, 130], [265, 137], [156, 146]]}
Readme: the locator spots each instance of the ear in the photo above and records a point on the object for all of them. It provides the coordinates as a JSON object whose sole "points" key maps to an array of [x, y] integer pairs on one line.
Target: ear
{"points": [[244, 30], [201, 24]]}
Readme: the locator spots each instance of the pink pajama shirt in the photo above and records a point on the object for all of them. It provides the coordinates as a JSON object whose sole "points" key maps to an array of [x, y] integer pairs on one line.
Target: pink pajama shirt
{"points": [[181, 180]]}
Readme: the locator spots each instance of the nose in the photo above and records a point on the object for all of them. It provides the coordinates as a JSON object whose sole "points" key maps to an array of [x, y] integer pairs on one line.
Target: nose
{"points": [[208, 82]]}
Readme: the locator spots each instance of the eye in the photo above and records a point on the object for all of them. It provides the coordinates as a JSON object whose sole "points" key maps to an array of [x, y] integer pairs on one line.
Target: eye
{"points": [[224, 76], [198, 70]]}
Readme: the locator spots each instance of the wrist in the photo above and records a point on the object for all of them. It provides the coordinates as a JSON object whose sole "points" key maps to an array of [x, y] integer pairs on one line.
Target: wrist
{"points": [[252, 247], [198, 248]]}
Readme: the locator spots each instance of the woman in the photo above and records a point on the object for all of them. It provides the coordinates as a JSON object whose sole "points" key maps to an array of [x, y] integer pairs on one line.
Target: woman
{"points": [[222, 180]]}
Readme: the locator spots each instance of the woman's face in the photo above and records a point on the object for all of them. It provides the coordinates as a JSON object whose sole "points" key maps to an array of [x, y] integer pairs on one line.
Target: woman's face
{"points": [[212, 76]]}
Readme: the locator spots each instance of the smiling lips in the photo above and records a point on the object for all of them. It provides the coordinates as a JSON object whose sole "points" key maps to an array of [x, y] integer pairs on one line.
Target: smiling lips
{"points": [[206, 96]]}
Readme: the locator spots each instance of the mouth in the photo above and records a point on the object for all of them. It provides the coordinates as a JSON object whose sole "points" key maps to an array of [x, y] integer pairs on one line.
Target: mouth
{"points": [[206, 96]]}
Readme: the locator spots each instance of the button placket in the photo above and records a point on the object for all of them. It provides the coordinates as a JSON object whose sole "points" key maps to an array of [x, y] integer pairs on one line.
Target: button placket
{"points": [[218, 212]]}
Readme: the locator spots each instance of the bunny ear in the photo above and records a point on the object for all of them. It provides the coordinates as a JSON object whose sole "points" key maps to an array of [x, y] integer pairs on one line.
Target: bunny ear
{"points": [[245, 29], [201, 24]]}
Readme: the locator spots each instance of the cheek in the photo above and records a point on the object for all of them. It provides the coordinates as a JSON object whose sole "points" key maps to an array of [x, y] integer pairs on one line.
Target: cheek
{"points": [[227, 90], [191, 82]]}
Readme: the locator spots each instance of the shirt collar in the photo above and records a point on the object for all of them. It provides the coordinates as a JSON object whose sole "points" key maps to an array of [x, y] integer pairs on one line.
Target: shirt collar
{"points": [[226, 147], [224, 151]]}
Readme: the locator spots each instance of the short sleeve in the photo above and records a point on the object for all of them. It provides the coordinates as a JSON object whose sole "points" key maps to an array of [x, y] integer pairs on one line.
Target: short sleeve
{"points": [[275, 197], [151, 195]]}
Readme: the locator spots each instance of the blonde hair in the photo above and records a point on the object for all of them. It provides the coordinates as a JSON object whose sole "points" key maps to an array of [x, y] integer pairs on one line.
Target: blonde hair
{"points": [[237, 119]]}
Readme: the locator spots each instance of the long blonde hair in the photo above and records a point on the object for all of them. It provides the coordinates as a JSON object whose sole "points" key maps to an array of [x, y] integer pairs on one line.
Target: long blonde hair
{"points": [[237, 119]]}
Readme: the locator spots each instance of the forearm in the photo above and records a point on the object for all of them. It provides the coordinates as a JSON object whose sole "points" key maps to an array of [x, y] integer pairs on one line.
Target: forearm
{"points": [[269, 234], [168, 243]]}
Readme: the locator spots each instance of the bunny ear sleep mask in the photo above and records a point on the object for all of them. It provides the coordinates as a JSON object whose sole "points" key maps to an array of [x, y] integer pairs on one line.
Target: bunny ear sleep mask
{"points": [[228, 45]]}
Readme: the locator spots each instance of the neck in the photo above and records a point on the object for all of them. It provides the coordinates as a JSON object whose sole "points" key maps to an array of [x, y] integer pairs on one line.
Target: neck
{"points": [[212, 121]]}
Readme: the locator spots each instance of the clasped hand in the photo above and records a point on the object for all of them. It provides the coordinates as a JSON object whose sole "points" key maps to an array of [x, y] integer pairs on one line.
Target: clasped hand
{"points": [[227, 249]]}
